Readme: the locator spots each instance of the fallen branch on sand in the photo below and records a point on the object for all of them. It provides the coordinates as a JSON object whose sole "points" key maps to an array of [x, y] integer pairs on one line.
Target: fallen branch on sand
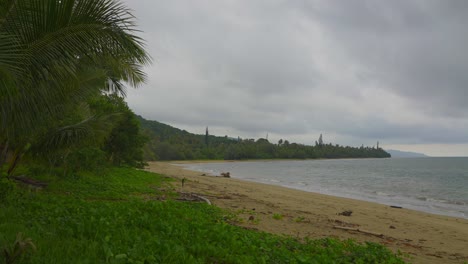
{"points": [[202, 198], [359, 230], [193, 197]]}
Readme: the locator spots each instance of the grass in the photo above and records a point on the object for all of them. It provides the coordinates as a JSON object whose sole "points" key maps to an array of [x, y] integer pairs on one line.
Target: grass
{"points": [[278, 216], [111, 218], [299, 219]]}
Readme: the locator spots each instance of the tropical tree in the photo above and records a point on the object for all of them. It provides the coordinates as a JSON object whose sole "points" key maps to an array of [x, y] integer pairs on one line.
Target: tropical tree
{"points": [[54, 55], [124, 144]]}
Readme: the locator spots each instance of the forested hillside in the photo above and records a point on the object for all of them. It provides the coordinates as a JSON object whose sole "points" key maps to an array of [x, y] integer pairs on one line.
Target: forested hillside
{"points": [[170, 143]]}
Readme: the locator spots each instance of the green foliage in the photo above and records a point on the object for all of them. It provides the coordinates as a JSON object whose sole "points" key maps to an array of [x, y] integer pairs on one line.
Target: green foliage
{"points": [[54, 57], [6, 187], [169, 143], [18, 249], [277, 216], [85, 159], [124, 144], [111, 218], [116, 140], [42, 56]]}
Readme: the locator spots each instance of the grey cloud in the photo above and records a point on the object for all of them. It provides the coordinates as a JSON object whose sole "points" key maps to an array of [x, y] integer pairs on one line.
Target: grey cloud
{"points": [[414, 48]]}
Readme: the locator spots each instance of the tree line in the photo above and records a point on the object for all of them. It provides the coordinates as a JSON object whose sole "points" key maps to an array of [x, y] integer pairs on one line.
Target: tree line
{"points": [[169, 143]]}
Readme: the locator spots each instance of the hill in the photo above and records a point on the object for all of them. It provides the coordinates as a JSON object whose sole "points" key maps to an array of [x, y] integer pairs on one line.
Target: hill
{"points": [[170, 143]]}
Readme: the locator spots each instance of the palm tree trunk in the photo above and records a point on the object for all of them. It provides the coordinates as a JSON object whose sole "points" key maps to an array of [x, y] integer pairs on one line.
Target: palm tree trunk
{"points": [[16, 159], [14, 163]]}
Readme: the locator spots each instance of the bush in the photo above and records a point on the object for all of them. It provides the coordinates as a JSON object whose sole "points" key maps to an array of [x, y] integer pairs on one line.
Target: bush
{"points": [[86, 159], [6, 188]]}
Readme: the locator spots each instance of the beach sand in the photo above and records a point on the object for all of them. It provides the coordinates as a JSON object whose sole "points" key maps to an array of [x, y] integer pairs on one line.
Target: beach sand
{"points": [[425, 238]]}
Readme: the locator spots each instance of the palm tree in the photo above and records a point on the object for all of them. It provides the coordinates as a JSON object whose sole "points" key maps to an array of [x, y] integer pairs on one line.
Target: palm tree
{"points": [[54, 54]]}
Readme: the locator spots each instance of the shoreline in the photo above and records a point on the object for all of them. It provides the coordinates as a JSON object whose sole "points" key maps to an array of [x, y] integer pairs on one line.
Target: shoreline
{"points": [[428, 238], [436, 207]]}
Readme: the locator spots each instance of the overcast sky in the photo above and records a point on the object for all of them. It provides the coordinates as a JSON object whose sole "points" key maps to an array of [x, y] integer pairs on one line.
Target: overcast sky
{"points": [[356, 71]]}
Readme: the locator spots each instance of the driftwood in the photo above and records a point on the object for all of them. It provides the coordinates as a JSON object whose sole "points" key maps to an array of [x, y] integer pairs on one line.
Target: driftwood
{"points": [[359, 230], [202, 198], [342, 223], [397, 207], [346, 213], [226, 174], [193, 197]]}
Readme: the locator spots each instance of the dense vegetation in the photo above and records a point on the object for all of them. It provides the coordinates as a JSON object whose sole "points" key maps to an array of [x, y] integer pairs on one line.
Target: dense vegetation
{"points": [[169, 143], [118, 217], [62, 69]]}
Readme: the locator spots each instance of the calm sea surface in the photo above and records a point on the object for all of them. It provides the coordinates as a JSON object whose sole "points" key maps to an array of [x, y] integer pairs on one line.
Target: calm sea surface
{"points": [[434, 185]]}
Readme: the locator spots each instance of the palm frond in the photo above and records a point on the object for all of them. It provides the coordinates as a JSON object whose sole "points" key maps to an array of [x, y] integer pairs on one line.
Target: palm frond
{"points": [[44, 47], [66, 137]]}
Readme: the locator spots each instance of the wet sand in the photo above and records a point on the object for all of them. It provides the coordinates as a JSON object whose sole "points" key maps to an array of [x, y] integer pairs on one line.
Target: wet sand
{"points": [[425, 238]]}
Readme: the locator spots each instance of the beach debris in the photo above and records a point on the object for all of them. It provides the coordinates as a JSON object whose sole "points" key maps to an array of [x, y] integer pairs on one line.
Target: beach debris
{"points": [[411, 245], [183, 181], [192, 197], [202, 198], [342, 223], [434, 255], [204, 174], [392, 227], [226, 174], [251, 218], [395, 206], [359, 230], [346, 213]]}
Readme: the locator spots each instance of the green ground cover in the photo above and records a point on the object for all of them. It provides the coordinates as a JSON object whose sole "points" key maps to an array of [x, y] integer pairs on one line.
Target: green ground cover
{"points": [[111, 218]]}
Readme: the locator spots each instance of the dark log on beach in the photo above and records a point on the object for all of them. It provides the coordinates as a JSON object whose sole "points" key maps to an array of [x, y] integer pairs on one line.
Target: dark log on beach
{"points": [[394, 206], [226, 174], [346, 213]]}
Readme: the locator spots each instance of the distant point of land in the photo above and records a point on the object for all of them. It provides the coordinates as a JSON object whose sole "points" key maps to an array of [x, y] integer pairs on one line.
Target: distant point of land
{"points": [[405, 154]]}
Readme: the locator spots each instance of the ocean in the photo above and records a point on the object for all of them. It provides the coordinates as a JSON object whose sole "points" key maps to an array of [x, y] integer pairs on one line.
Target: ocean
{"points": [[433, 185]]}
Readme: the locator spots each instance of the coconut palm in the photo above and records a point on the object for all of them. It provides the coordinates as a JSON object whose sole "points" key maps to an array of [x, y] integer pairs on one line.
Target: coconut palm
{"points": [[47, 47]]}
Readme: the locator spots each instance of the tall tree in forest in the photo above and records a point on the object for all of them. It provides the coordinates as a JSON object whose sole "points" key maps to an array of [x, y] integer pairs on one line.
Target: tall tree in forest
{"points": [[320, 141]]}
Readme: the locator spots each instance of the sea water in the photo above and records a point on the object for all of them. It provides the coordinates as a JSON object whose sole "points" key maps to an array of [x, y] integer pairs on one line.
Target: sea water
{"points": [[434, 185]]}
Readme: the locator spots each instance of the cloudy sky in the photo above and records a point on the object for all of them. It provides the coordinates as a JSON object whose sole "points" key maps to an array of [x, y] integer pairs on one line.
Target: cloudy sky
{"points": [[356, 71]]}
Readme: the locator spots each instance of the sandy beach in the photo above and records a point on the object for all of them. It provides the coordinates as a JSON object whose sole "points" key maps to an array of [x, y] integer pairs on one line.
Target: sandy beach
{"points": [[425, 238]]}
